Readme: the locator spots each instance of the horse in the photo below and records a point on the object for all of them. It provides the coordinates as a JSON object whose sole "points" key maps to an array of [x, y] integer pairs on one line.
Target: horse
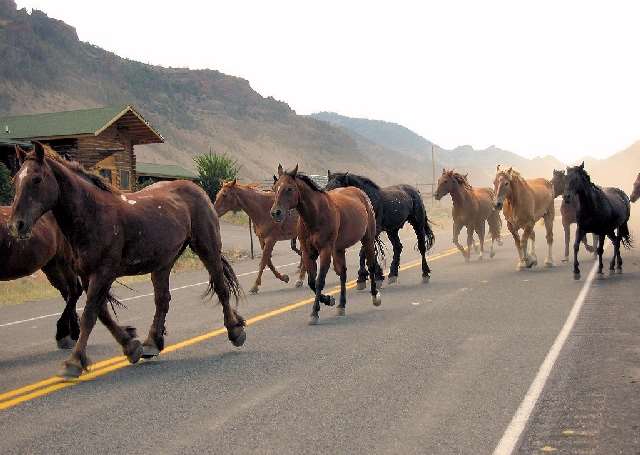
{"points": [[329, 223], [393, 206], [257, 204], [472, 207], [601, 211], [568, 212], [525, 202], [635, 195], [113, 234], [45, 249]]}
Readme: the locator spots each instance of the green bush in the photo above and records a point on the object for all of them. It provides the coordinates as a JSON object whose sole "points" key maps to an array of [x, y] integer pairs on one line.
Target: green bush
{"points": [[213, 170], [6, 188]]}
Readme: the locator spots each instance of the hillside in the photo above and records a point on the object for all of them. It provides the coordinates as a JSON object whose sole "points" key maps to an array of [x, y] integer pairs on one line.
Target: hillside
{"points": [[620, 169], [45, 67]]}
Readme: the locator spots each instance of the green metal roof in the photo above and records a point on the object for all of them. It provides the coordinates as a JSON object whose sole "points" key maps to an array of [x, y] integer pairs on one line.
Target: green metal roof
{"points": [[164, 170], [4, 142], [67, 123]]}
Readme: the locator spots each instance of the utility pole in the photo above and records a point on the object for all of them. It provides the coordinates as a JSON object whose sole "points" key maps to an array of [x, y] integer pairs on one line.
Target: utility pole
{"points": [[433, 174]]}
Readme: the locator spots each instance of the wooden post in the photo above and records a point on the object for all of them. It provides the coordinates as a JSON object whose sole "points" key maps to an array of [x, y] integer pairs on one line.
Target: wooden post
{"points": [[251, 239], [433, 174]]}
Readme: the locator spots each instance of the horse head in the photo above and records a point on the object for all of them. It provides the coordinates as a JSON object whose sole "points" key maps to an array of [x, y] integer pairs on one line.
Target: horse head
{"points": [[635, 195], [36, 192], [337, 180], [577, 180], [502, 185], [559, 182], [227, 198], [445, 184], [287, 193]]}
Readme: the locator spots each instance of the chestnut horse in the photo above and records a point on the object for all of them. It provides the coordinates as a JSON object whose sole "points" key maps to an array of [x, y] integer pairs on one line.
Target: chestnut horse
{"points": [[472, 207], [525, 202], [45, 249], [635, 195], [113, 234], [257, 205], [329, 223], [569, 214]]}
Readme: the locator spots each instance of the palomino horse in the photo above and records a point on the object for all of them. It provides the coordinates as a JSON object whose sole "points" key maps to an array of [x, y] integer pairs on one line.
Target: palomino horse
{"points": [[257, 205], [568, 212], [393, 206], [472, 207], [113, 234], [45, 249], [601, 211], [330, 222], [525, 202], [635, 195]]}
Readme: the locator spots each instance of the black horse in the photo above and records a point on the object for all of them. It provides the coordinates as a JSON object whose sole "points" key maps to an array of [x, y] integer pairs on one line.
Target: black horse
{"points": [[393, 205], [601, 211]]}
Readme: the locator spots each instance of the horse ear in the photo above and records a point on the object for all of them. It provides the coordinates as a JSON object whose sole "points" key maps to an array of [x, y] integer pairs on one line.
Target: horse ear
{"points": [[444, 171], [498, 168], [280, 170], [295, 171], [20, 154], [234, 181], [328, 174], [39, 152], [582, 165], [275, 179]]}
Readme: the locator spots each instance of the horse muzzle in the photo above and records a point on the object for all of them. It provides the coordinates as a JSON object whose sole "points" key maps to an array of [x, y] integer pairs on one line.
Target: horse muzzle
{"points": [[498, 205], [566, 198], [635, 196], [277, 215], [19, 229]]}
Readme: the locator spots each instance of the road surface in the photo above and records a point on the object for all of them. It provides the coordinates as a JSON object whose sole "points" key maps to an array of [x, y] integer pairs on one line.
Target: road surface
{"points": [[438, 368]]}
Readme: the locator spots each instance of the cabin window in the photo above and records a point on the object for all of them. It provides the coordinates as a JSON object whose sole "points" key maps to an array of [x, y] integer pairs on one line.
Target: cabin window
{"points": [[106, 174], [124, 180]]}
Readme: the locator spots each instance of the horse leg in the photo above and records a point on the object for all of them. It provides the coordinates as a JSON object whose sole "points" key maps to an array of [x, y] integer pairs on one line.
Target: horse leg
{"points": [[615, 239], [596, 240], [589, 248], [419, 229], [524, 243], [301, 272], [361, 283], [66, 282], [532, 256], [480, 230], [325, 262], [576, 248], [294, 248], [309, 259], [155, 339], [394, 238], [456, 238], [369, 247], [516, 239], [278, 275], [548, 224], [340, 266], [567, 240], [469, 242], [267, 248]]}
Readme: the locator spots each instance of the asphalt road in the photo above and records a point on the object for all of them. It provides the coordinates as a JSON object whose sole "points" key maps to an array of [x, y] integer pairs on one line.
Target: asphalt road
{"points": [[438, 368]]}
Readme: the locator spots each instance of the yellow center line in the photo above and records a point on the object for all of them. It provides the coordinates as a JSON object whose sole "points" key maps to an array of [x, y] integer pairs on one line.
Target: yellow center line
{"points": [[47, 386]]}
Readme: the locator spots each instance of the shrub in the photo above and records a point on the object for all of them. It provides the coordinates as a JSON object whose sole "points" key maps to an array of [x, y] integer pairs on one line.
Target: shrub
{"points": [[6, 188], [213, 170]]}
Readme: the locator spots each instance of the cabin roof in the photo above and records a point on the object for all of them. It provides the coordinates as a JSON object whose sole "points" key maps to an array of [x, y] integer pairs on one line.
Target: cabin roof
{"points": [[84, 122], [164, 171]]}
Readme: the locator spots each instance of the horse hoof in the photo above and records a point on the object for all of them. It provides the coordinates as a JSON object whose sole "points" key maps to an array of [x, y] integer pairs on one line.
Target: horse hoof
{"points": [[599, 276], [548, 264], [131, 331], [299, 283], [379, 283], [313, 320], [331, 302], [426, 279], [480, 258], [361, 285], [521, 266], [340, 311], [149, 351], [253, 290], [611, 272], [376, 299], [237, 336], [285, 278], [392, 279], [66, 342], [619, 271], [134, 352], [576, 276], [71, 371], [565, 260]]}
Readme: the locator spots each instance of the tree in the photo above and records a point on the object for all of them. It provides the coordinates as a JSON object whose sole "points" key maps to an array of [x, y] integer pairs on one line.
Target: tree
{"points": [[214, 170], [6, 188]]}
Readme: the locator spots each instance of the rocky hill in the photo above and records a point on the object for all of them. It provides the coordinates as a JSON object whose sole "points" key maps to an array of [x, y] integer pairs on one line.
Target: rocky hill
{"points": [[45, 67]]}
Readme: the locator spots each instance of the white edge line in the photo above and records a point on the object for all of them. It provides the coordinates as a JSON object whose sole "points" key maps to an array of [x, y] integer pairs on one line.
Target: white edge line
{"points": [[136, 297], [512, 434]]}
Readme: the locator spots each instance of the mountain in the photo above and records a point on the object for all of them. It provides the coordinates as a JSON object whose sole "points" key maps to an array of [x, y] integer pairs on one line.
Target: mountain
{"points": [[45, 67], [620, 169], [480, 164]]}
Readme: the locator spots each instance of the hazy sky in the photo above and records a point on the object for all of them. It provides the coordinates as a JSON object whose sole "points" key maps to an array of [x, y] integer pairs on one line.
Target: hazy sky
{"points": [[536, 77]]}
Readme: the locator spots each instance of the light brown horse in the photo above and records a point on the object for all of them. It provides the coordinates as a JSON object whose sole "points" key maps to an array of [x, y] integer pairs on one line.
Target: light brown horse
{"points": [[525, 202], [472, 207], [635, 194], [113, 234], [329, 223], [257, 205], [45, 249]]}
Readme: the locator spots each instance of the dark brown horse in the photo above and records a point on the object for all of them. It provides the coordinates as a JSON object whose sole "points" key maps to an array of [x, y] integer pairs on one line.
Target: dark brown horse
{"points": [[330, 222], [472, 207], [45, 249], [568, 211], [635, 195], [113, 234], [257, 205]]}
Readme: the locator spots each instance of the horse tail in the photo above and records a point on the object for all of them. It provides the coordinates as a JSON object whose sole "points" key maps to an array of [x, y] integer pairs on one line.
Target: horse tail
{"points": [[625, 235], [420, 213], [230, 279], [379, 250], [495, 224]]}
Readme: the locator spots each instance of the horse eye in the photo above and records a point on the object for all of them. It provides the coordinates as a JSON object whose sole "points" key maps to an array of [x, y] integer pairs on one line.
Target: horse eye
{"points": [[506, 184], [289, 190], [37, 180]]}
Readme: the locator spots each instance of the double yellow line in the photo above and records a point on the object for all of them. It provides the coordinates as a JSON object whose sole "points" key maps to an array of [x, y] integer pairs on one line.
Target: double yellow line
{"points": [[53, 384]]}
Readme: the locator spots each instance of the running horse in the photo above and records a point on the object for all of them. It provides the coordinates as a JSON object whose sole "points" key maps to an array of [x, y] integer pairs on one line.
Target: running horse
{"points": [[257, 205], [393, 206], [601, 211], [569, 214], [329, 223], [635, 195], [472, 207], [524, 202], [113, 234]]}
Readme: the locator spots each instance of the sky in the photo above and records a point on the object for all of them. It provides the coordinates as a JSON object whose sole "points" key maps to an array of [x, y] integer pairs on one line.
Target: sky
{"points": [[537, 77]]}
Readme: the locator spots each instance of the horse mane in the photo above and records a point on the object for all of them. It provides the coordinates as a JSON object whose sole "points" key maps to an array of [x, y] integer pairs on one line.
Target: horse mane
{"points": [[78, 169], [359, 181], [461, 179], [309, 181]]}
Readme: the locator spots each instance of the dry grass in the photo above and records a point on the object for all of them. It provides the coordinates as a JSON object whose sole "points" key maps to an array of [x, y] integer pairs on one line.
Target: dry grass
{"points": [[237, 218], [36, 286]]}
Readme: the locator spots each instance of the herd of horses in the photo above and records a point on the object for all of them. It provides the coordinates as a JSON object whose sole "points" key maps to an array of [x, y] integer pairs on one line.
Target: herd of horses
{"points": [[84, 234]]}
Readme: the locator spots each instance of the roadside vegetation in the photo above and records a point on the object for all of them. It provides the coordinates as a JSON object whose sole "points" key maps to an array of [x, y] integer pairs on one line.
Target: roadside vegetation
{"points": [[6, 188], [213, 170]]}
